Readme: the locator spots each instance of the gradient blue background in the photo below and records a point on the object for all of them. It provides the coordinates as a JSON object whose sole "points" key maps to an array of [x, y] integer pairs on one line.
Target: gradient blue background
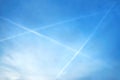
{"points": [[27, 56]]}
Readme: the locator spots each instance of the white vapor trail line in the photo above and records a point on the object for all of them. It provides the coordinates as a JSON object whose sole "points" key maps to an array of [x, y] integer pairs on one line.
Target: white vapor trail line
{"points": [[12, 37], [66, 21], [40, 35], [45, 27], [84, 44]]}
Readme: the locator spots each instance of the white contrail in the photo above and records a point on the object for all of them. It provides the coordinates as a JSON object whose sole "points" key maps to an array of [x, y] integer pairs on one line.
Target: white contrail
{"points": [[84, 44], [12, 37], [45, 27], [66, 21], [40, 35]]}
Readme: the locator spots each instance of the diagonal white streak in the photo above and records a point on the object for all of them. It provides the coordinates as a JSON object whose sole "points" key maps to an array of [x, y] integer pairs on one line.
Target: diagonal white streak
{"points": [[46, 27], [12, 37], [40, 35], [84, 44]]}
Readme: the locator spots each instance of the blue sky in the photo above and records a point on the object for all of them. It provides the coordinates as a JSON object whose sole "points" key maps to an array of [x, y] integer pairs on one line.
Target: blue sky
{"points": [[59, 39]]}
